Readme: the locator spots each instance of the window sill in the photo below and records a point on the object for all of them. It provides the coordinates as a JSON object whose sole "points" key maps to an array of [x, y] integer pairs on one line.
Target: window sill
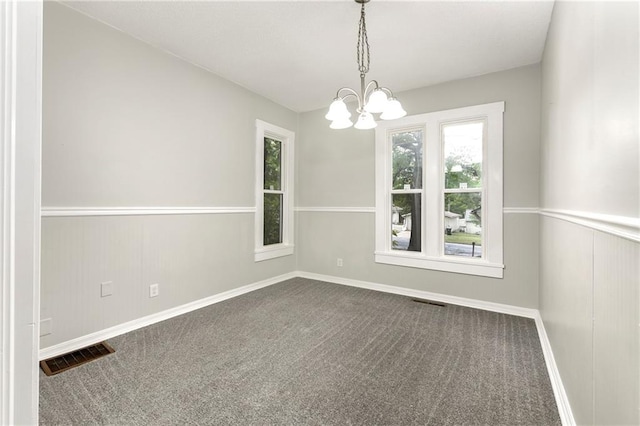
{"points": [[460, 266], [272, 252]]}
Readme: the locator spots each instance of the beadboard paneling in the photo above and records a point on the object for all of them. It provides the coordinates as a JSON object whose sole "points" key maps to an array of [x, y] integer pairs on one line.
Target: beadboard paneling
{"points": [[616, 273], [566, 300], [590, 302], [190, 256]]}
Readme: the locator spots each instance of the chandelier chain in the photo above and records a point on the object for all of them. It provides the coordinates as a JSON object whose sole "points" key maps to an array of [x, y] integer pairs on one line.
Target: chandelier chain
{"points": [[363, 45]]}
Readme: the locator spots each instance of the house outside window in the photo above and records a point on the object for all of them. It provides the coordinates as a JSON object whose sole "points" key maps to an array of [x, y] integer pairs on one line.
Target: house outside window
{"points": [[274, 191], [439, 191]]}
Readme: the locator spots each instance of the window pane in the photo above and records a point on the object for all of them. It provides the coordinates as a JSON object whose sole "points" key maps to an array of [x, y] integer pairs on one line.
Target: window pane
{"points": [[407, 160], [463, 155], [272, 219], [406, 222], [272, 164], [463, 224]]}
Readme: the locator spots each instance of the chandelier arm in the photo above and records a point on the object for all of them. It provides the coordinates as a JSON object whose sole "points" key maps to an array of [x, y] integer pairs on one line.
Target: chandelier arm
{"points": [[389, 92], [347, 89], [366, 90], [351, 93]]}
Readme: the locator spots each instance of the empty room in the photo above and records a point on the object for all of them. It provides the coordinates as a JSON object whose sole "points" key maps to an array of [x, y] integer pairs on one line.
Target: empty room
{"points": [[320, 212]]}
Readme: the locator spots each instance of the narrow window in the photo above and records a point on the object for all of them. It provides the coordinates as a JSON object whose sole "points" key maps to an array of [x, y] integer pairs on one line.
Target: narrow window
{"points": [[406, 190], [274, 191], [463, 194]]}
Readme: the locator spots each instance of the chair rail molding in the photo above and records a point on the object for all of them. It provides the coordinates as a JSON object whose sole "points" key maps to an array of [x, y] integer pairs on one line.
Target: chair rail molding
{"points": [[622, 226], [336, 209], [139, 211]]}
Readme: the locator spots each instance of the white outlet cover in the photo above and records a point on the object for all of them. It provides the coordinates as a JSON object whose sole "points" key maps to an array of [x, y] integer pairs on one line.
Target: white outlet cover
{"points": [[154, 290], [106, 289]]}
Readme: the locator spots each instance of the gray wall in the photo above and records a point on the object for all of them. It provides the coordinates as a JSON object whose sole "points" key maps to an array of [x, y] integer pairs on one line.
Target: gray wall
{"points": [[126, 125], [589, 281], [336, 169]]}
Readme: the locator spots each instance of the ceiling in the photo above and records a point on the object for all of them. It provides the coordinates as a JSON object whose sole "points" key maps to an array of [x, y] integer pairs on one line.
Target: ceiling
{"points": [[298, 53]]}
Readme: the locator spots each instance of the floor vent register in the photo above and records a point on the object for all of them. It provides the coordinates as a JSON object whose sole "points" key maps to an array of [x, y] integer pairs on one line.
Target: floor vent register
{"points": [[430, 302], [67, 361]]}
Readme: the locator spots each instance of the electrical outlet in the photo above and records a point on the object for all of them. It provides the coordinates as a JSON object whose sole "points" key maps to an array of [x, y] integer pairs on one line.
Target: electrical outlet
{"points": [[106, 289], [46, 326], [154, 290], [339, 262]]}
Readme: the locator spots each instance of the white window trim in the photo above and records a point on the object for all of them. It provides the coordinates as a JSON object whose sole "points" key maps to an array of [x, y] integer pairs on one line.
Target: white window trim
{"points": [[432, 255], [287, 137]]}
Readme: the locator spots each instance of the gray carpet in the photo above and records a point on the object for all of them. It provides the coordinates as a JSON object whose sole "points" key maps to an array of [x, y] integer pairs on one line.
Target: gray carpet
{"points": [[309, 352]]}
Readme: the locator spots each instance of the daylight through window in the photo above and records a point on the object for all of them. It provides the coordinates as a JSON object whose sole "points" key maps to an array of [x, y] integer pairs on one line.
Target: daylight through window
{"points": [[274, 191], [439, 191]]}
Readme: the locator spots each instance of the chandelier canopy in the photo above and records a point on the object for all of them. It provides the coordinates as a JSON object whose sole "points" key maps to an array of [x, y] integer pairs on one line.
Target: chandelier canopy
{"points": [[372, 99]]}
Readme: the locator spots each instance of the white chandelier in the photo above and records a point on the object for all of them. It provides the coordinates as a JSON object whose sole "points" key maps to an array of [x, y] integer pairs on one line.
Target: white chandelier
{"points": [[372, 99]]}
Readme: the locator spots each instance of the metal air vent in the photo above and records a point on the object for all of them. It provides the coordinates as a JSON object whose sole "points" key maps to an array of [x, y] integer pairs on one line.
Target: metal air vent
{"points": [[64, 362]]}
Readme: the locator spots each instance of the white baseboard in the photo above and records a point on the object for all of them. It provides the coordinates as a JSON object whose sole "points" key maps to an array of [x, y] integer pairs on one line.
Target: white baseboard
{"points": [[438, 297], [99, 336], [562, 401]]}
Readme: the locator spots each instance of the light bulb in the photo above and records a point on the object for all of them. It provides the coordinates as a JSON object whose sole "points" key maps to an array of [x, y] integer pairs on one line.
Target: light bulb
{"points": [[365, 121], [377, 101], [338, 111], [342, 123], [393, 110]]}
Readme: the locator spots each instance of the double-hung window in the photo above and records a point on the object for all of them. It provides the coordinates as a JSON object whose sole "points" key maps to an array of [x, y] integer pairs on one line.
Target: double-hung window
{"points": [[274, 191], [439, 191]]}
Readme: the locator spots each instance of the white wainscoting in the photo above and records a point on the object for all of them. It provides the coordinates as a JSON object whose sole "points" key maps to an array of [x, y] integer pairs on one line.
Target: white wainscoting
{"points": [[126, 327]]}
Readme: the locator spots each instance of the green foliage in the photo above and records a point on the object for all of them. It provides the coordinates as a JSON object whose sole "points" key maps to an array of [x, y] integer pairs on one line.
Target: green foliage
{"points": [[272, 232], [272, 164], [463, 238], [407, 160], [461, 202], [407, 170], [470, 174]]}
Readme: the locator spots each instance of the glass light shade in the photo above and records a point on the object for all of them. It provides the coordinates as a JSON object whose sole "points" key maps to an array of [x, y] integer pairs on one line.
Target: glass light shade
{"points": [[377, 101], [338, 111], [342, 123], [365, 121], [393, 110]]}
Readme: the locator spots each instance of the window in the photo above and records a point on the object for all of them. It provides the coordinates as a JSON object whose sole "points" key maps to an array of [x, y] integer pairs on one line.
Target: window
{"points": [[274, 191], [439, 191]]}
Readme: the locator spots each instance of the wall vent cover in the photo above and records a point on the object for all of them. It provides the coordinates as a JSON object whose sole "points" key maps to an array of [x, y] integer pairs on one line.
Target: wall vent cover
{"points": [[64, 362], [430, 302]]}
